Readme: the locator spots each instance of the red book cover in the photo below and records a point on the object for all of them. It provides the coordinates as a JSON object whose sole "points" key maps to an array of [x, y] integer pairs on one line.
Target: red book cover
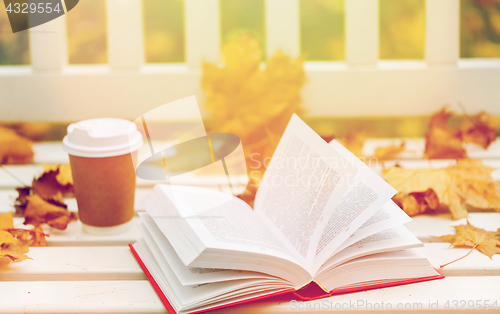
{"points": [[312, 291]]}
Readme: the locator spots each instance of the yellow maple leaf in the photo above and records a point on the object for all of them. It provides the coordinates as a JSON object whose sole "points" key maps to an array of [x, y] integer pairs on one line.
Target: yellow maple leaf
{"points": [[14, 149], [243, 98], [486, 242], [64, 175], [10, 246], [252, 101], [468, 182], [416, 203]]}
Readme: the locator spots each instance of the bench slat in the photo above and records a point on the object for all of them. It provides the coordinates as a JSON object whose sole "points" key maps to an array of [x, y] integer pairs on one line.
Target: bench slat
{"points": [[414, 148], [426, 226], [138, 297], [73, 263], [74, 235], [118, 263], [423, 227], [450, 288], [475, 264], [8, 197], [122, 296]]}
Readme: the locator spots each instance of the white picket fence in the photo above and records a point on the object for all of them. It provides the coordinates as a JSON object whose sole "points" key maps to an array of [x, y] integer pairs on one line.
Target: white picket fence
{"points": [[51, 90]]}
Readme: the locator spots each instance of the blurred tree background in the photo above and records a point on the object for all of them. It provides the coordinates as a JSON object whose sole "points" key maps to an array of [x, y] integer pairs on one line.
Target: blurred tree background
{"points": [[13, 47], [87, 33], [480, 29], [322, 28]]}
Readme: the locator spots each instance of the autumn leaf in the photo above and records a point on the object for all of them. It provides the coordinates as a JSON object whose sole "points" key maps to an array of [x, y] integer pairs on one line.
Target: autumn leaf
{"points": [[39, 211], [49, 185], [43, 202], [252, 101], [468, 236], [468, 182], [479, 130], [416, 203], [6, 221], [388, 152], [63, 173], [245, 99], [14, 149], [10, 246], [33, 237], [441, 141]]}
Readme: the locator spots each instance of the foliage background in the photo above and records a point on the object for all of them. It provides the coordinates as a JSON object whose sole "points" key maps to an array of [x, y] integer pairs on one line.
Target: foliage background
{"points": [[402, 30]]}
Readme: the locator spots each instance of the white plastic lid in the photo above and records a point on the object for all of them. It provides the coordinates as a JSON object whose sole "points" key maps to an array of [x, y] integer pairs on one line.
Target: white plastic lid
{"points": [[102, 137]]}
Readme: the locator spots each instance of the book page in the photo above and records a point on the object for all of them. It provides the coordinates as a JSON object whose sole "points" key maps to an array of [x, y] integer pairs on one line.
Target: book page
{"points": [[190, 297], [379, 268], [301, 187], [389, 216], [396, 238], [231, 233], [164, 253], [366, 194]]}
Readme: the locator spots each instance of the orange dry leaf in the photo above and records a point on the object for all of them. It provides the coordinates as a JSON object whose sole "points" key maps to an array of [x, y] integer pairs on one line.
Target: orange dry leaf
{"points": [[468, 182], [49, 185], [468, 236], [388, 152], [43, 203], [14, 149], [441, 141], [63, 173], [10, 246], [34, 237], [417, 202], [39, 211], [479, 130], [252, 101], [244, 98]]}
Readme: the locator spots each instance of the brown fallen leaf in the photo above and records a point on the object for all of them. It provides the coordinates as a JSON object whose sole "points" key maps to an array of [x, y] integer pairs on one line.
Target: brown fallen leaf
{"points": [[10, 246], [39, 211], [33, 237], [388, 152], [468, 236], [43, 203], [468, 182], [416, 203], [63, 176], [49, 185], [479, 129], [14, 149], [441, 141]]}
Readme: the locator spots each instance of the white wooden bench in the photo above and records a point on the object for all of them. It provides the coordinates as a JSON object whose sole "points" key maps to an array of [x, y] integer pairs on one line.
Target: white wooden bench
{"points": [[82, 273]]}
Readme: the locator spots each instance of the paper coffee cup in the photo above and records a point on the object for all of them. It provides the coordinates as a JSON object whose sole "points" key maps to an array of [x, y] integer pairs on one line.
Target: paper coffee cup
{"points": [[101, 153]]}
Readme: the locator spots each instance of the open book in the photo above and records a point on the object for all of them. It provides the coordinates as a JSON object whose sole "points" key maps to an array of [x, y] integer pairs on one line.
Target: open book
{"points": [[323, 223]]}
